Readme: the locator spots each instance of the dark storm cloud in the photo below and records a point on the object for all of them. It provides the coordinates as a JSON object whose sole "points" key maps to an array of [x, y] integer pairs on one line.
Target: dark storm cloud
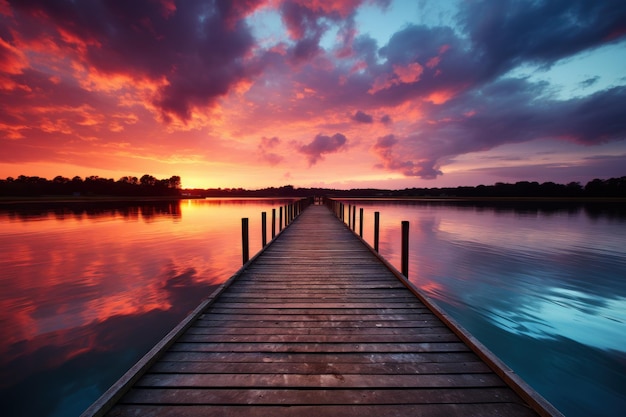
{"points": [[508, 111], [362, 117], [486, 109], [322, 145], [507, 33], [589, 82], [198, 47], [308, 21]]}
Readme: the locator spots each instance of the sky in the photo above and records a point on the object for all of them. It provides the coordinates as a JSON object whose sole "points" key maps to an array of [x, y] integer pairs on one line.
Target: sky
{"points": [[312, 93]]}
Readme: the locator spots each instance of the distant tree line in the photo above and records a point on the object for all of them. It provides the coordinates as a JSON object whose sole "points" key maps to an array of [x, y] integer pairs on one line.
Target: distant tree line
{"points": [[147, 185], [614, 187]]}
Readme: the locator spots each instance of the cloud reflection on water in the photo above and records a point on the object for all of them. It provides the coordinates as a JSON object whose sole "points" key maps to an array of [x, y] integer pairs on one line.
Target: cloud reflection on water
{"points": [[86, 291]]}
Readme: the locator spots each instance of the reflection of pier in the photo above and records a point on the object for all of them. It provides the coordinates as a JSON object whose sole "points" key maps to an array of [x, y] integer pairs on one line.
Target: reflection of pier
{"points": [[318, 324]]}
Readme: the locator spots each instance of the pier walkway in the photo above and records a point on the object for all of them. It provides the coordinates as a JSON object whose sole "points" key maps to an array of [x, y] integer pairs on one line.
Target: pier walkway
{"points": [[318, 325]]}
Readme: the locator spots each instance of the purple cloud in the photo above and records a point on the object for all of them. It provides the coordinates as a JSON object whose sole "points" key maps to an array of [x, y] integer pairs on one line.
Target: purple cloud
{"points": [[361, 117], [198, 50], [322, 145], [384, 149], [508, 111], [513, 32]]}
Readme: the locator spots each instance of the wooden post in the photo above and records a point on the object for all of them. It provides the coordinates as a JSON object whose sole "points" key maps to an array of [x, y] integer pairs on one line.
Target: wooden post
{"points": [[244, 240], [280, 219], [264, 228], [353, 217], [376, 228], [361, 223], [349, 214], [405, 249], [273, 223]]}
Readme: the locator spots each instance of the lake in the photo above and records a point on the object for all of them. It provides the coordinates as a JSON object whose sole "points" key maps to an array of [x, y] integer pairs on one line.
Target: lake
{"points": [[87, 290], [543, 286]]}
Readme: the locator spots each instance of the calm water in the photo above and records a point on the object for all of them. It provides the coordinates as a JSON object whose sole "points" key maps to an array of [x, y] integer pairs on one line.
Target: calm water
{"points": [[543, 287], [85, 293]]}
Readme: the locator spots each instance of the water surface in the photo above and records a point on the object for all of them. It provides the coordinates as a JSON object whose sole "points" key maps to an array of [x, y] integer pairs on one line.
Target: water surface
{"points": [[542, 286], [85, 291]]}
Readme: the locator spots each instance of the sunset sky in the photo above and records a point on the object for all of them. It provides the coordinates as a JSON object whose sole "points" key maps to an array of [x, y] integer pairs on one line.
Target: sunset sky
{"points": [[342, 94]]}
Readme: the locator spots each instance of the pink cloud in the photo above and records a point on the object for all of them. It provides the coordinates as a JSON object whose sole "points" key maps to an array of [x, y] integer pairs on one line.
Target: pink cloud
{"points": [[402, 74], [267, 148], [323, 145], [12, 60]]}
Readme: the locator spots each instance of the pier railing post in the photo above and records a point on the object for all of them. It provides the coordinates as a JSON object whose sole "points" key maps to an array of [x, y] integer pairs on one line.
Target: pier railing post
{"points": [[264, 228], [376, 229], [244, 240], [361, 223], [273, 223], [405, 249], [280, 218], [353, 217], [349, 215]]}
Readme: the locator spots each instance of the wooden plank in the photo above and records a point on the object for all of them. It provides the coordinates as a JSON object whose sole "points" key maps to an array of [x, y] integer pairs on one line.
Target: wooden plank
{"points": [[325, 331], [383, 368], [317, 348], [320, 396], [286, 311], [319, 339], [321, 317], [398, 324], [330, 380], [379, 410], [321, 304], [352, 357]]}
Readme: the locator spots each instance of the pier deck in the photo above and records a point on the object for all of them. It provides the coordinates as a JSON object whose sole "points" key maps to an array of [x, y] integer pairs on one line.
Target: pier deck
{"points": [[318, 325]]}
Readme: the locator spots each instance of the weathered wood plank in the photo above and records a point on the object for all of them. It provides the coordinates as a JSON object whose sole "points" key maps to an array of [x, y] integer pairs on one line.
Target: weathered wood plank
{"points": [[383, 368], [352, 357], [322, 317], [225, 322], [319, 347], [330, 380], [378, 410], [321, 304], [321, 396], [299, 311], [319, 339], [324, 331]]}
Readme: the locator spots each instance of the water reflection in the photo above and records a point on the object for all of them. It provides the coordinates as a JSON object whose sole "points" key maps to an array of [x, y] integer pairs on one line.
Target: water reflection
{"points": [[85, 291], [542, 287], [60, 211]]}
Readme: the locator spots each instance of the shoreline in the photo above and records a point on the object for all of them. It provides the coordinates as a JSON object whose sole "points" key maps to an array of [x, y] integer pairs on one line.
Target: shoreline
{"points": [[13, 200], [88, 199], [520, 199]]}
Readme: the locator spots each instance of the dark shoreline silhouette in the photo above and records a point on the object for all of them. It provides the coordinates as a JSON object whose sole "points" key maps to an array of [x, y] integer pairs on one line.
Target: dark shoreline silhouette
{"points": [[147, 187]]}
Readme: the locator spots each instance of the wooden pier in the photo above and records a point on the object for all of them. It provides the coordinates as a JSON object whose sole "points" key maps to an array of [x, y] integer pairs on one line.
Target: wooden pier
{"points": [[318, 324]]}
